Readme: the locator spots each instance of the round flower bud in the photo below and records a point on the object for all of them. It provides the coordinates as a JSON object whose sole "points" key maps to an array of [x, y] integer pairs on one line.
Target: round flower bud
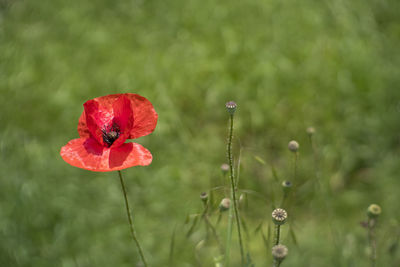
{"points": [[374, 211], [279, 216], [293, 146], [279, 252], [231, 107], [310, 131], [287, 186], [224, 168], [204, 197], [225, 204]]}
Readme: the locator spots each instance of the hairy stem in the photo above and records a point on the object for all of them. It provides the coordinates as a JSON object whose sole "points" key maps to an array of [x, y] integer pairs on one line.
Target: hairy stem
{"points": [[229, 235], [277, 234], [128, 212], [233, 191]]}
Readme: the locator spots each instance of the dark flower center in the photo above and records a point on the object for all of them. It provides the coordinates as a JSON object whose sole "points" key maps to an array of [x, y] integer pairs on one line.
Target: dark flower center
{"points": [[110, 134]]}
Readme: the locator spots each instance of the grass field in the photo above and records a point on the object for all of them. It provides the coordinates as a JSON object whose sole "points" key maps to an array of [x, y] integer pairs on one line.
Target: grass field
{"points": [[333, 65]]}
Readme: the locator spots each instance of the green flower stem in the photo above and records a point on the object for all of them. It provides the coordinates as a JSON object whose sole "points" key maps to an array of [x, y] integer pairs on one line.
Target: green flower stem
{"points": [[128, 212], [277, 234], [292, 196], [276, 263], [229, 235], [213, 230], [233, 193], [372, 240], [295, 167]]}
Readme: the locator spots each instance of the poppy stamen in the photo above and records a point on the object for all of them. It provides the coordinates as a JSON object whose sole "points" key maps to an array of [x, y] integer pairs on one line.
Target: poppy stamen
{"points": [[110, 134]]}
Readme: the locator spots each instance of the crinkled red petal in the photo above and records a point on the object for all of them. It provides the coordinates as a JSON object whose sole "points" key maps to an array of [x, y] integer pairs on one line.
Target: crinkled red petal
{"points": [[94, 121], [144, 115], [123, 117], [87, 153]]}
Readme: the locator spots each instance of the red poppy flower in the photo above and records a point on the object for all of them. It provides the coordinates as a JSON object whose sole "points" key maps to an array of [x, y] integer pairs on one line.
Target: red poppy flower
{"points": [[104, 126]]}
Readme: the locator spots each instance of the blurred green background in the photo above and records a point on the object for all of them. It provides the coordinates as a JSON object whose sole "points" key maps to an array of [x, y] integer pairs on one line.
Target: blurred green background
{"points": [[330, 64]]}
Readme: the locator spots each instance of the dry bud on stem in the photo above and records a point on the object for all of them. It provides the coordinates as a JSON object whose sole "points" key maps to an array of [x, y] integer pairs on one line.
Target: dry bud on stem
{"points": [[225, 204], [279, 216], [231, 107], [279, 252], [293, 146]]}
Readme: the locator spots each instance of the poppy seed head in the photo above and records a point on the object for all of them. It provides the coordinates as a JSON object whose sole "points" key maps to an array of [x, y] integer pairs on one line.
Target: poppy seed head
{"points": [[231, 107], [374, 211], [279, 216], [279, 252], [293, 146]]}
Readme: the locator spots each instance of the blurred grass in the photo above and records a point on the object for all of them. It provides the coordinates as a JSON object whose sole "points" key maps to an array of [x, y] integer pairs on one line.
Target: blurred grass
{"points": [[288, 64]]}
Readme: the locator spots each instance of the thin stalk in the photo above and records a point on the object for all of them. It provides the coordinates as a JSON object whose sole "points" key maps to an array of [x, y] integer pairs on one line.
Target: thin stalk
{"points": [[295, 184], [276, 263], [277, 234], [315, 155], [322, 189], [128, 212], [284, 199], [229, 235], [295, 167], [372, 241], [171, 248], [214, 232], [233, 191]]}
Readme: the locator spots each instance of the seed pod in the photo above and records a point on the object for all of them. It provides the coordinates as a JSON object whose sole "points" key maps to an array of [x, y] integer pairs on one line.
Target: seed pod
{"points": [[279, 216], [279, 252]]}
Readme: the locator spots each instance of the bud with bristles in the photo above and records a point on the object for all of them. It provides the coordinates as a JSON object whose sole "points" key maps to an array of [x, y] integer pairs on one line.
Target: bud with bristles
{"points": [[310, 131], [231, 107], [204, 197], [293, 146], [279, 216], [225, 204], [224, 168], [279, 252], [374, 211]]}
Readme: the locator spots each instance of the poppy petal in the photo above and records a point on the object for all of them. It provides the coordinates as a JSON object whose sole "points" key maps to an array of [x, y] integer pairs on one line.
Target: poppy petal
{"points": [[123, 118], [93, 120], [82, 126], [87, 153], [144, 115]]}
